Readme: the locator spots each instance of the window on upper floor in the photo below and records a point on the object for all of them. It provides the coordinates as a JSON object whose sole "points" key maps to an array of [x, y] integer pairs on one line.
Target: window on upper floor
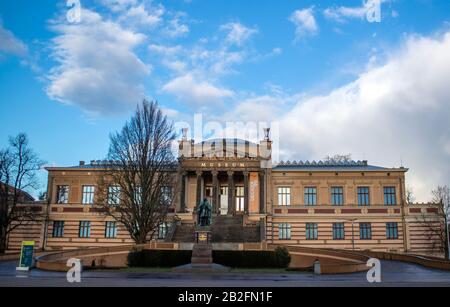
{"points": [[114, 195], [365, 231], [391, 231], [58, 229], [389, 196], [284, 196], [284, 231], [310, 196], [338, 231], [62, 194], [363, 196], [312, 231], [88, 195], [337, 196], [162, 230], [167, 195]]}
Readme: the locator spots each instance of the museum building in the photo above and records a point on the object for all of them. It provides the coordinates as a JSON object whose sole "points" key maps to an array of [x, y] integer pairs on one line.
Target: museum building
{"points": [[325, 204]]}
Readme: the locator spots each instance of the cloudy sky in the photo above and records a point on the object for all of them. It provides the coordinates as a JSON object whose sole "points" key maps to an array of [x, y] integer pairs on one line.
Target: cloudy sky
{"points": [[327, 74]]}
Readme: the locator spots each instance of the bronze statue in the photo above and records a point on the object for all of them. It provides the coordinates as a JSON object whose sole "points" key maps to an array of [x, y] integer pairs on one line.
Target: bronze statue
{"points": [[204, 213]]}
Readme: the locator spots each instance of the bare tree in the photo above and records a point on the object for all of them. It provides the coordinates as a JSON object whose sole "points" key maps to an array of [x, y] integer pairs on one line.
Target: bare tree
{"points": [[137, 188], [436, 228], [18, 167], [410, 198], [338, 158]]}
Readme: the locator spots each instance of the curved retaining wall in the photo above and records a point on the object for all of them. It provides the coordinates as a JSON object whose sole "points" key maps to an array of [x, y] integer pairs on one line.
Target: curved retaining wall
{"points": [[331, 261], [426, 261]]}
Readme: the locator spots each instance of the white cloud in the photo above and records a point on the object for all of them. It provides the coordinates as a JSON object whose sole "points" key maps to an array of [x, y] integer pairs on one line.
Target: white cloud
{"points": [[238, 34], [189, 89], [96, 66], [391, 113], [341, 13], [10, 44], [176, 26], [139, 15], [305, 22]]}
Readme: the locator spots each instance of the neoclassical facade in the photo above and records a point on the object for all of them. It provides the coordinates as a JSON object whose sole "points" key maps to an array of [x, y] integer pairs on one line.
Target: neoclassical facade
{"points": [[342, 205]]}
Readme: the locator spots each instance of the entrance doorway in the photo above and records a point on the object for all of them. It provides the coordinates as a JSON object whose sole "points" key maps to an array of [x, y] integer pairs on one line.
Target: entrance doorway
{"points": [[224, 200]]}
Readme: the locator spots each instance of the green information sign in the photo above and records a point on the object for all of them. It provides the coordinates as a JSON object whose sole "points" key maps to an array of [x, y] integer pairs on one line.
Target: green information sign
{"points": [[26, 254]]}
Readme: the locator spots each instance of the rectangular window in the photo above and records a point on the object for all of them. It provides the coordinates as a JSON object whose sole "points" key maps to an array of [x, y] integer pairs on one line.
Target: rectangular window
{"points": [[167, 195], [389, 196], [391, 231], [338, 231], [58, 229], [312, 232], [84, 229], [62, 194], [284, 231], [240, 199], [337, 196], [363, 196], [110, 230], [284, 196], [114, 195], [310, 196], [365, 231], [138, 195], [88, 194], [162, 230]]}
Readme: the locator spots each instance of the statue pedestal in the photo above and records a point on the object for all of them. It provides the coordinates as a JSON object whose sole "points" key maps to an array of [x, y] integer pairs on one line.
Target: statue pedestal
{"points": [[203, 236]]}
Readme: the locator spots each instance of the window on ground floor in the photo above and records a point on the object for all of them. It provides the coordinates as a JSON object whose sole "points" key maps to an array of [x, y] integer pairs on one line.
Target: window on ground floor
{"points": [[338, 231], [391, 231], [365, 231], [284, 231], [312, 232], [240, 199], [162, 230], [58, 229], [110, 230], [84, 229]]}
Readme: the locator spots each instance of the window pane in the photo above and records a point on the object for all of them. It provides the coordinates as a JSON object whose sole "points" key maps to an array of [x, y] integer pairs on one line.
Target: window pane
{"points": [[365, 231], [310, 196], [337, 196], [389, 196], [338, 231], [62, 194], [88, 195], [114, 195], [363, 196]]}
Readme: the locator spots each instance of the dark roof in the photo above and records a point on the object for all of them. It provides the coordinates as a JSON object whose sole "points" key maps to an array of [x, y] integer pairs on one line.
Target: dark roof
{"points": [[352, 166]]}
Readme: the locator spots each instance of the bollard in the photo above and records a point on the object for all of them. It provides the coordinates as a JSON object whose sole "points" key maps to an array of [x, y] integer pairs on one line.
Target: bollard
{"points": [[317, 269]]}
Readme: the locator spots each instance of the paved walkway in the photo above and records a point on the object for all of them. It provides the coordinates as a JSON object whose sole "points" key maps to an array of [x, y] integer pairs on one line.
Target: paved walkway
{"points": [[393, 274]]}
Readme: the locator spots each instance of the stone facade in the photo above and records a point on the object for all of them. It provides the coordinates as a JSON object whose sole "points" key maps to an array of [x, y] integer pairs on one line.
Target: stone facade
{"points": [[342, 205]]}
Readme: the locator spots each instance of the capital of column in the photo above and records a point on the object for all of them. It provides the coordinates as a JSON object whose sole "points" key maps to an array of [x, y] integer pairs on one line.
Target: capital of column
{"points": [[246, 173], [230, 173], [199, 173], [215, 173]]}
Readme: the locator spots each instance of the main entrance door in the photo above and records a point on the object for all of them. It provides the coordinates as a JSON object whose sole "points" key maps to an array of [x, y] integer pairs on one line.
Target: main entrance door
{"points": [[224, 200]]}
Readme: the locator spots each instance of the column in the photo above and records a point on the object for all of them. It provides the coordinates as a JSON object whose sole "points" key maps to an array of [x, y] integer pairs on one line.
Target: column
{"points": [[199, 187], [231, 201], [215, 192], [246, 174], [262, 188], [183, 192]]}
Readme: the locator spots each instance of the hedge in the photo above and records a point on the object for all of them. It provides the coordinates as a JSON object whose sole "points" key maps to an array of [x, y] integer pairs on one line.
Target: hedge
{"points": [[279, 258], [159, 258]]}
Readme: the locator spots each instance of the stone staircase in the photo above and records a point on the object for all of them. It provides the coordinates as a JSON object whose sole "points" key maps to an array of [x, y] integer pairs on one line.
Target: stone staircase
{"points": [[225, 229], [231, 229], [184, 233]]}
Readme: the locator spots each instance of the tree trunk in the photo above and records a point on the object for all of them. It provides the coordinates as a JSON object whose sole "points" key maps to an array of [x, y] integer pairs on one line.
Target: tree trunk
{"points": [[3, 240]]}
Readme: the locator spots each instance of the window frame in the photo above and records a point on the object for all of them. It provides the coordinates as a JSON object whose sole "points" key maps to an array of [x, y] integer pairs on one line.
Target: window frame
{"points": [[339, 196], [284, 231], [338, 231], [87, 197], [110, 231], [113, 196], [363, 197], [312, 228], [59, 200], [365, 233], [284, 196], [84, 229], [310, 198], [391, 231], [58, 229], [390, 196]]}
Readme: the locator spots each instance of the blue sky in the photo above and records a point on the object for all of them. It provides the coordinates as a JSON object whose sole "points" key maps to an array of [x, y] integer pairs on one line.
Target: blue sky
{"points": [[307, 65]]}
